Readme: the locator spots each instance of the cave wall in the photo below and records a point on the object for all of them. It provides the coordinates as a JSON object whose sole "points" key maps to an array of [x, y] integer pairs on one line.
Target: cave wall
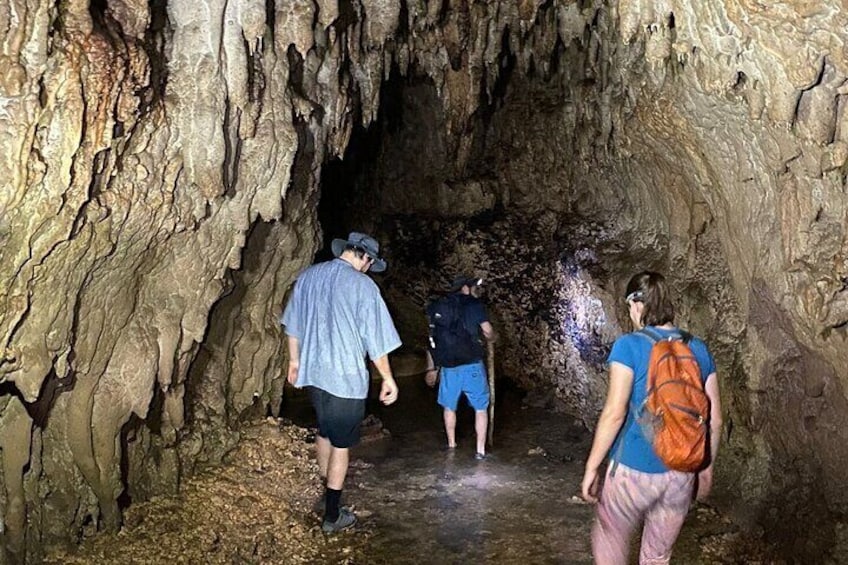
{"points": [[143, 145], [162, 168]]}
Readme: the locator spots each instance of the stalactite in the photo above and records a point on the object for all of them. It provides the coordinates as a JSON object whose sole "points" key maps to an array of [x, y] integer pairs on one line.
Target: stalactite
{"points": [[15, 442]]}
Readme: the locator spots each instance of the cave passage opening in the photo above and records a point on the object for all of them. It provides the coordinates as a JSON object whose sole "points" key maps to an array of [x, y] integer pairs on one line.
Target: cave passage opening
{"points": [[441, 201]]}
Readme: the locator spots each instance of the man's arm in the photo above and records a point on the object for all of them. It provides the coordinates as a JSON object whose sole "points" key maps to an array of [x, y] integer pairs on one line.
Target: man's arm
{"points": [[294, 359], [612, 418], [432, 374], [488, 331], [389, 389], [480, 313], [705, 477]]}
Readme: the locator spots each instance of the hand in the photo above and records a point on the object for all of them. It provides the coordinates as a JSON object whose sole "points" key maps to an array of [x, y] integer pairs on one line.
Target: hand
{"points": [[389, 391], [292, 374], [705, 484], [431, 377], [589, 487]]}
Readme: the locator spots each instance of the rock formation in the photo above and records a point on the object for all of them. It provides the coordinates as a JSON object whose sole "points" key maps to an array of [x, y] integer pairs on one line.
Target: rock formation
{"points": [[163, 173]]}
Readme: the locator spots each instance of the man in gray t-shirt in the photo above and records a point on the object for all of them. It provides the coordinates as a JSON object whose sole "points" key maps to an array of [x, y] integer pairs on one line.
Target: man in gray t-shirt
{"points": [[334, 318]]}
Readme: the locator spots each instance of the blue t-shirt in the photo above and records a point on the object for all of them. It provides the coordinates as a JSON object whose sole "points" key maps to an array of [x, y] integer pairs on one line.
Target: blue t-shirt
{"points": [[633, 350], [338, 316]]}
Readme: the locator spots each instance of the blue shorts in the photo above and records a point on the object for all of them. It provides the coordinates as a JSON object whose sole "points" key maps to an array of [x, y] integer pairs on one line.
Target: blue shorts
{"points": [[469, 379], [339, 419]]}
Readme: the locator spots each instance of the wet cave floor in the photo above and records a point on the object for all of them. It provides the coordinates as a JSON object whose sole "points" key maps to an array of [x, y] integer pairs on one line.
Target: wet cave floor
{"points": [[416, 502]]}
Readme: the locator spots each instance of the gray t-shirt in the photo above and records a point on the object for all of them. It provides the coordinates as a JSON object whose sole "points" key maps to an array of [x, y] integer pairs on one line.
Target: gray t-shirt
{"points": [[338, 315]]}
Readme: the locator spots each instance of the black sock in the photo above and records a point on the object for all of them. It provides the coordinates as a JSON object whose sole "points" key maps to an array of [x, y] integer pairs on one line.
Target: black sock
{"points": [[331, 510]]}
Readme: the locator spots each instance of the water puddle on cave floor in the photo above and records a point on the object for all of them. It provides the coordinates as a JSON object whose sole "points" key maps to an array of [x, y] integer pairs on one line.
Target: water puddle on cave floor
{"points": [[416, 502]]}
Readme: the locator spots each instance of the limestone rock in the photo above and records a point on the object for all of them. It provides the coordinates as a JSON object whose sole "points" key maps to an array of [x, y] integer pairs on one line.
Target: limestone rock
{"points": [[162, 164]]}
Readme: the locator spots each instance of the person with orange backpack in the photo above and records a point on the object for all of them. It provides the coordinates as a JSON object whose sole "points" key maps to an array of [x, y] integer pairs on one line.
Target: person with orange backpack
{"points": [[660, 426]]}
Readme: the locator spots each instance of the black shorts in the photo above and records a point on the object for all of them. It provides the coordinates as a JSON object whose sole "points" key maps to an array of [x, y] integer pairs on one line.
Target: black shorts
{"points": [[338, 418]]}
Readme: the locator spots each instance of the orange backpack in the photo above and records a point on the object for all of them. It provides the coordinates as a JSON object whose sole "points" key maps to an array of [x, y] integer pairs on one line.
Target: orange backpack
{"points": [[676, 410]]}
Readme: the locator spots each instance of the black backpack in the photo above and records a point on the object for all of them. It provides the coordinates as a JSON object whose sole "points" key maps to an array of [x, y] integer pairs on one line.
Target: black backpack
{"points": [[451, 343]]}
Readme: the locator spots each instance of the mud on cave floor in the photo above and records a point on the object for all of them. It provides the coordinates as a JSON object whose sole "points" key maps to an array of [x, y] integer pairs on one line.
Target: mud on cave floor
{"points": [[415, 501]]}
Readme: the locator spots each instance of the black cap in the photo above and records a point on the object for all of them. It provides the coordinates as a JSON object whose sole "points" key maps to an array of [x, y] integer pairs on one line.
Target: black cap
{"points": [[462, 281]]}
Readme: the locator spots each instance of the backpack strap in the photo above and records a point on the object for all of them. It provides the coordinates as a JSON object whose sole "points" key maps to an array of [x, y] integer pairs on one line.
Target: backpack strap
{"points": [[650, 335], [654, 336]]}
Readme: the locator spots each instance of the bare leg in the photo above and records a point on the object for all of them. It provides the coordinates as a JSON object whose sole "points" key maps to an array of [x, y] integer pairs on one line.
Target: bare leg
{"points": [[481, 422], [450, 427], [322, 453], [337, 467]]}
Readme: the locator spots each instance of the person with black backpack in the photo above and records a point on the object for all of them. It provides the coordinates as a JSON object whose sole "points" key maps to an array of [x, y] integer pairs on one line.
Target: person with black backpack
{"points": [[455, 356]]}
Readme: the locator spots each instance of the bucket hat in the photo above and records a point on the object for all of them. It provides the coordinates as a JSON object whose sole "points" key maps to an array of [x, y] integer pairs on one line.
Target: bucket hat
{"points": [[364, 242]]}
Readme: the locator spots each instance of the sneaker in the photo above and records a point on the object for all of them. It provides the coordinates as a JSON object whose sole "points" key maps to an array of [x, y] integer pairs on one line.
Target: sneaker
{"points": [[345, 520], [480, 456]]}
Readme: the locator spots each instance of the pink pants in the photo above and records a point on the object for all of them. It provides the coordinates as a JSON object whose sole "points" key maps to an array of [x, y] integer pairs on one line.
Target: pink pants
{"points": [[661, 499]]}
